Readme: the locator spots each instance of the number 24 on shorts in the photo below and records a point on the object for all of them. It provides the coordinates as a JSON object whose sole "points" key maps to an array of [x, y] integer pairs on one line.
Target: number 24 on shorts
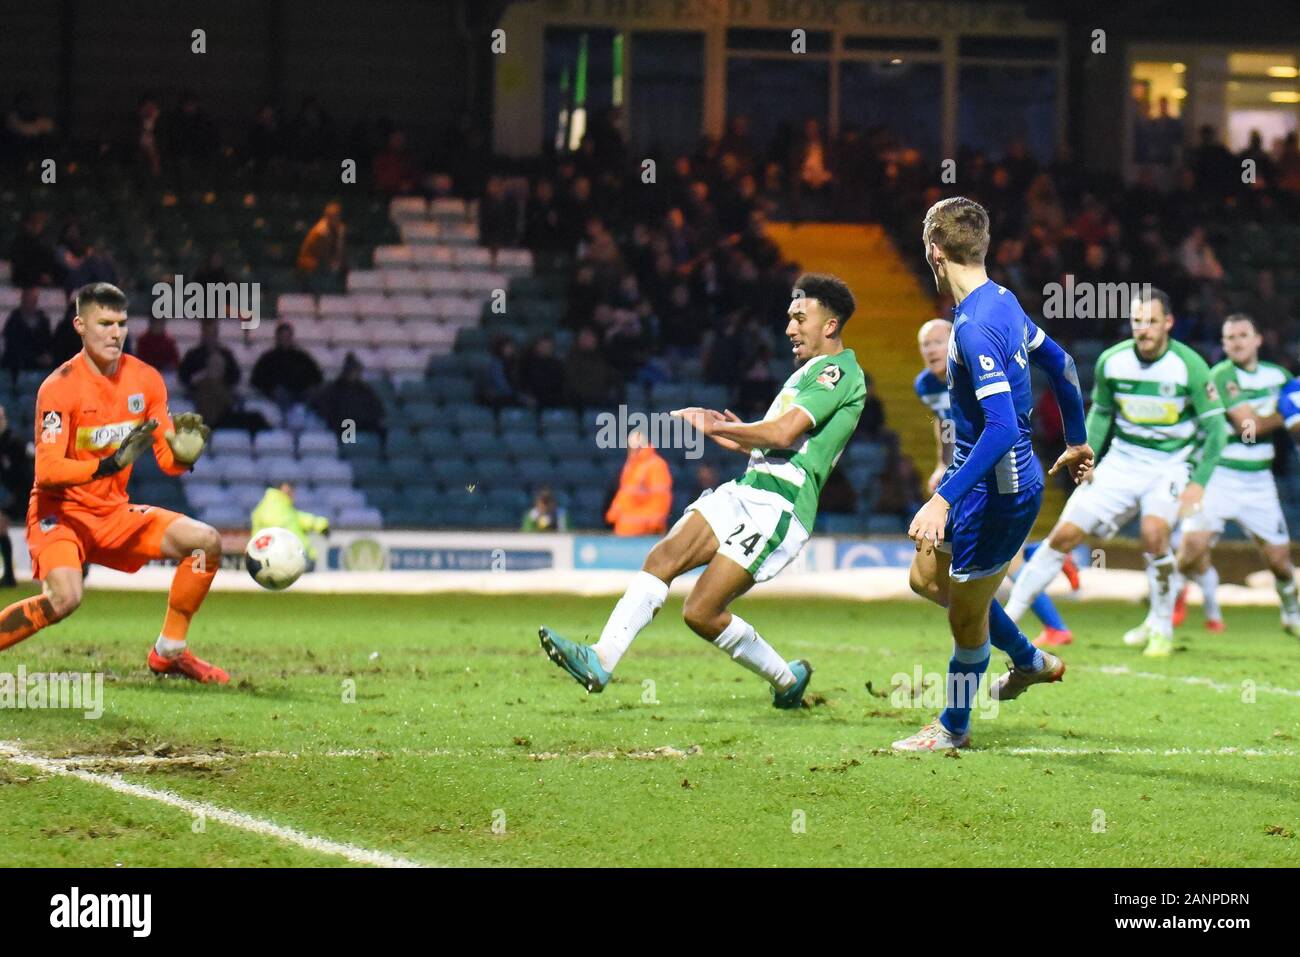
{"points": [[748, 544]]}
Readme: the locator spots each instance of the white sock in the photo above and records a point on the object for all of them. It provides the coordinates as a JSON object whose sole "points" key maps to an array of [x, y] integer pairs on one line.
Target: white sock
{"points": [[745, 645], [1034, 576], [169, 647], [1208, 582], [1160, 576], [1286, 593], [644, 596]]}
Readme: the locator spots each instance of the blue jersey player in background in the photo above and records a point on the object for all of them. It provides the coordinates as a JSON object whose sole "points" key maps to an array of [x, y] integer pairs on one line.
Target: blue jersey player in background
{"points": [[979, 517], [932, 389]]}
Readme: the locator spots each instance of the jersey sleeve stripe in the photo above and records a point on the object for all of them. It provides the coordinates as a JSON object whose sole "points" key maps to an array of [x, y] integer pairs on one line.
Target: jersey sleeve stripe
{"points": [[992, 389], [1218, 411], [1037, 341], [811, 417]]}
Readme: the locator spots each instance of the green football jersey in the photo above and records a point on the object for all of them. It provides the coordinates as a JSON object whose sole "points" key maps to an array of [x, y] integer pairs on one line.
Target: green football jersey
{"points": [[1158, 406], [832, 390], [1260, 387]]}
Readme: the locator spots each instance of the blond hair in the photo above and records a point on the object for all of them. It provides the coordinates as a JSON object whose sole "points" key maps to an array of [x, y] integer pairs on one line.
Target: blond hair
{"points": [[960, 227]]}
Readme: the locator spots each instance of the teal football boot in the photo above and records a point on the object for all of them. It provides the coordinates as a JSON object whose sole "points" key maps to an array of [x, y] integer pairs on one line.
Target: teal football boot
{"points": [[578, 660], [792, 696]]}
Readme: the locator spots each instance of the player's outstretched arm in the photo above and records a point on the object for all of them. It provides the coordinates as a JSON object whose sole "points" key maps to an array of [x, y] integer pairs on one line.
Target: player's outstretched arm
{"points": [[1063, 376], [782, 432]]}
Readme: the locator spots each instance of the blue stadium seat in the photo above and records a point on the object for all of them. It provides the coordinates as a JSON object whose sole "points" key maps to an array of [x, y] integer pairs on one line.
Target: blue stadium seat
{"points": [[436, 441], [472, 418], [454, 472], [525, 445], [408, 470], [517, 420], [419, 415], [367, 445], [402, 443]]}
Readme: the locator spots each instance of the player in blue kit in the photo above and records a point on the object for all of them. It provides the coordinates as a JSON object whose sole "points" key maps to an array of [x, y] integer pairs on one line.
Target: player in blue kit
{"points": [[932, 389], [979, 517]]}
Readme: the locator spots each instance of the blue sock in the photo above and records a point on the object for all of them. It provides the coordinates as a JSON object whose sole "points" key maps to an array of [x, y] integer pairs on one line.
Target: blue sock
{"points": [[1029, 550], [1042, 607], [964, 670], [1011, 641]]}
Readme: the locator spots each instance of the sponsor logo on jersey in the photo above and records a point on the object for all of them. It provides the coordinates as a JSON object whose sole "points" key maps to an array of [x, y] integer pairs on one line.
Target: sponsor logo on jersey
{"points": [[1211, 392], [830, 376], [1168, 389], [51, 426], [48, 522], [135, 402], [108, 436], [986, 363]]}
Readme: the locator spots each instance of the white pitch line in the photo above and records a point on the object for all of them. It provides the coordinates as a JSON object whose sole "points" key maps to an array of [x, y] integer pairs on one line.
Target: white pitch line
{"points": [[1168, 752], [246, 822], [1127, 672]]}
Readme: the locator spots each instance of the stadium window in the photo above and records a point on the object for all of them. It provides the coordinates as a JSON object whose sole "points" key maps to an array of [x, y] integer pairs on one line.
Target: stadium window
{"points": [[997, 105], [775, 41], [580, 74], [778, 95], [1009, 48], [904, 97], [891, 45], [666, 91]]}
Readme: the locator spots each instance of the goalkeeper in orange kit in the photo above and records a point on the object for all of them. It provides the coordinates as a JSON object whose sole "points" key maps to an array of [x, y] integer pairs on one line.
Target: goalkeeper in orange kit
{"points": [[95, 415]]}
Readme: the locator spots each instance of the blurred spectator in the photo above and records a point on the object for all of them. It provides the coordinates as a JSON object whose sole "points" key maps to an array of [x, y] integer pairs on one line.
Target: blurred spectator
{"points": [[324, 249], [589, 381], [757, 384], [313, 133], [66, 341], [706, 480], [838, 495], [1288, 165], [285, 373], [158, 348], [265, 137], [545, 515], [80, 262], [1216, 170], [541, 374], [810, 164], [211, 393], [544, 233], [351, 398], [213, 269], [28, 339], [31, 257], [738, 143], [146, 142], [498, 381], [196, 359], [900, 487], [26, 128], [645, 491], [17, 472], [498, 217], [190, 131], [1198, 258], [394, 167]]}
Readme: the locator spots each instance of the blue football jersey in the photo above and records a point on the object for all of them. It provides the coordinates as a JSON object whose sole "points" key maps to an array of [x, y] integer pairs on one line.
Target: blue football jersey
{"points": [[1288, 404], [933, 391], [989, 353]]}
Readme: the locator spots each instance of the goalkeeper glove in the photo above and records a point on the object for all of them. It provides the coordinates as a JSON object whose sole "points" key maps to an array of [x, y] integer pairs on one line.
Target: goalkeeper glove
{"points": [[136, 441], [189, 437]]}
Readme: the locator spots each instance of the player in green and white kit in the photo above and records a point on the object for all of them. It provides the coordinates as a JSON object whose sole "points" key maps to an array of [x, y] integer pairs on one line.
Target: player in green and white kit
{"points": [[747, 530], [1242, 488], [1157, 398]]}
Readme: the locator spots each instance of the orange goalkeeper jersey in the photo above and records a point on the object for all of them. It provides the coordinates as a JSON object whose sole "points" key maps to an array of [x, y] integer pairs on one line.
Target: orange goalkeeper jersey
{"points": [[82, 416]]}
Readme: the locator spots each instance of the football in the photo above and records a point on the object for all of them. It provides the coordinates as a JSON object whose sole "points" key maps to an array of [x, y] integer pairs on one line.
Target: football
{"points": [[275, 558]]}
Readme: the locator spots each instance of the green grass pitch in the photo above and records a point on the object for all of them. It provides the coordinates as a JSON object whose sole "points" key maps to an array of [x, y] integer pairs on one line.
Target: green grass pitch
{"points": [[465, 746]]}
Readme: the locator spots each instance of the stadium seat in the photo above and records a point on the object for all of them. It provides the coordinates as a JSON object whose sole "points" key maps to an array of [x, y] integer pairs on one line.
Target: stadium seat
{"points": [[231, 442], [273, 442], [472, 418], [360, 518]]}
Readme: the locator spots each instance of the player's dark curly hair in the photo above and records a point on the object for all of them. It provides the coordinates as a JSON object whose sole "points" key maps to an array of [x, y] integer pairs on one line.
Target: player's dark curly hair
{"points": [[102, 294], [830, 291]]}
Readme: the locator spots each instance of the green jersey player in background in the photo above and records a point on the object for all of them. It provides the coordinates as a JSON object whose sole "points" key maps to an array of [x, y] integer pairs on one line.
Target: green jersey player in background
{"points": [[1242, 488], [748, 529], [1154, 398]]}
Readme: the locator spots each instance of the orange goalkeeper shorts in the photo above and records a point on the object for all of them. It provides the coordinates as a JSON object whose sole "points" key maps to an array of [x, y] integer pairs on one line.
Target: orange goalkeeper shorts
{"points": [[124, 539]]}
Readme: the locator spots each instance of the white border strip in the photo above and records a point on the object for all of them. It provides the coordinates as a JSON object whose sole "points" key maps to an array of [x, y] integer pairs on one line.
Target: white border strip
{"points": [[349, 852]]}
